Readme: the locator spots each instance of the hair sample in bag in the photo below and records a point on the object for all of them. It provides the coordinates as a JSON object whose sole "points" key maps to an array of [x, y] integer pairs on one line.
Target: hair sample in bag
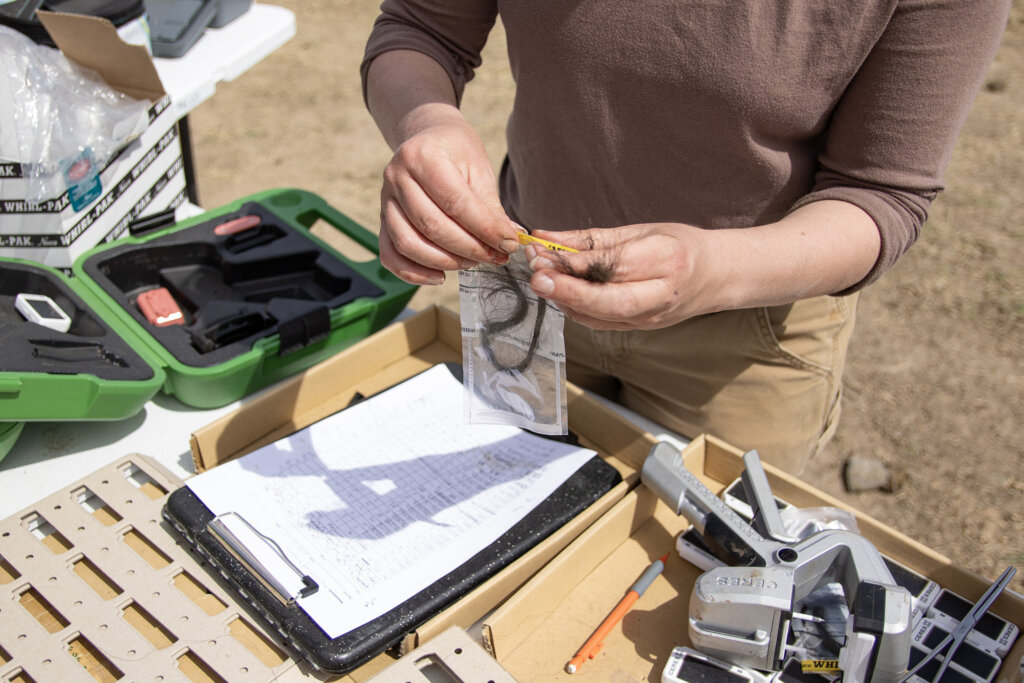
{"points": [[515, 315], [511, 311]]}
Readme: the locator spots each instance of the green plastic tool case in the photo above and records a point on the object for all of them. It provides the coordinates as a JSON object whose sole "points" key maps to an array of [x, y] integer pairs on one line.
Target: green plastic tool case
{"points": [[257, 305]]}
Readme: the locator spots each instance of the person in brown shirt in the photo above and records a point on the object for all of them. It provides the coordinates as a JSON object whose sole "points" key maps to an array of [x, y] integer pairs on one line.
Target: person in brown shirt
{"points": [[744, 168]]}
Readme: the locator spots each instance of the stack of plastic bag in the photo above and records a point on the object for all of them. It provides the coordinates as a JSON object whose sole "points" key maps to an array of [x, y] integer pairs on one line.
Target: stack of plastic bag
{"points": [[60, 120]]}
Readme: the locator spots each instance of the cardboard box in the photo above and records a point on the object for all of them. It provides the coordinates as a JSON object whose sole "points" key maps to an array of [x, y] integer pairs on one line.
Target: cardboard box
{"points": [[143, 180], [537, 630], [55, 215], [145, 177], [380, 361]]}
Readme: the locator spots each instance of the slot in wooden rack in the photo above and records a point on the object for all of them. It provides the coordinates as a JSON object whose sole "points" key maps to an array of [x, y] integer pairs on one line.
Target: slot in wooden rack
{"points": [[94, 586]]}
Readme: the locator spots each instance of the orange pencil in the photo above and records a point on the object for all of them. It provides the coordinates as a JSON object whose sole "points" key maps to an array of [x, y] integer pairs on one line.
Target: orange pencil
{"points": [[596, 641]]}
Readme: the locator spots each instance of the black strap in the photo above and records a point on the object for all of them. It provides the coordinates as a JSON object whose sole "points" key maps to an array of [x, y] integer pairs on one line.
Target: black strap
{"points": [[303, 330]]}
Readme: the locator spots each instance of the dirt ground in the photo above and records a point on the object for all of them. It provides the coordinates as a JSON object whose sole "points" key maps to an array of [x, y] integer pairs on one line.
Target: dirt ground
{"points": [[935, 383]]}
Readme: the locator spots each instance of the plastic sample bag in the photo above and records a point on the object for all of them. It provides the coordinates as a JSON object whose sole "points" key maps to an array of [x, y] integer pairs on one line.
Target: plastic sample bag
{"points": [[69, 122], [513, 350]]}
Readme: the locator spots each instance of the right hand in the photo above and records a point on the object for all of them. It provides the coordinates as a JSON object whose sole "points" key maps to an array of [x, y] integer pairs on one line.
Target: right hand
{"points": [[439, 206]]}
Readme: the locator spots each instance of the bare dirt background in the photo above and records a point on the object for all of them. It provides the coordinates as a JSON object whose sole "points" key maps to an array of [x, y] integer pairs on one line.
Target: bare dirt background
{"points": [[935, 381]]}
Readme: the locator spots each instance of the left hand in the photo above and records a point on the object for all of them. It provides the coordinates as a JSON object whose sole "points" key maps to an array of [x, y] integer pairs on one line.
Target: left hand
{"points": [[644, 276], [654, 275]]}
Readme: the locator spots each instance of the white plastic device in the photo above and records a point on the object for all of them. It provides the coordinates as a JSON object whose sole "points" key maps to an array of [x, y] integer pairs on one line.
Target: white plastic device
{"points": [[42, 310]]}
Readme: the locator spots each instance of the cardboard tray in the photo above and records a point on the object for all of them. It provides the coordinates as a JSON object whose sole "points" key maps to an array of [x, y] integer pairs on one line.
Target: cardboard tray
{"points": [[397, 352], [347, 651], [301, 299], [537, 630]]}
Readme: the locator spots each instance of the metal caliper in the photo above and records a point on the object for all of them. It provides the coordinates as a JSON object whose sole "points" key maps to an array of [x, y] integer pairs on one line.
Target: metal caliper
{"points": [[741, 612]]}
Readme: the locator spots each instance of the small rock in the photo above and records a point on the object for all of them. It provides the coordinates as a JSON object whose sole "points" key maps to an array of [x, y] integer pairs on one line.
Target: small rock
{"points": [[864, 473]]}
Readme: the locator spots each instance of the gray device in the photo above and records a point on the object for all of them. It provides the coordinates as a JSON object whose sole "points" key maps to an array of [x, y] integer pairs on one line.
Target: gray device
{"points": [[228, 11], [741, 612], [176, 25]]}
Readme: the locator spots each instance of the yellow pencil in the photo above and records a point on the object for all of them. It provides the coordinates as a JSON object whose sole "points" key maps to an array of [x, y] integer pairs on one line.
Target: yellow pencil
{"points": [[525, 239]]}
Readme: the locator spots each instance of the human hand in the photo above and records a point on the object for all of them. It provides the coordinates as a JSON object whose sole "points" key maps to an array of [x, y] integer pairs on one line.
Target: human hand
{"points": [[643, 276], [439, 206]]}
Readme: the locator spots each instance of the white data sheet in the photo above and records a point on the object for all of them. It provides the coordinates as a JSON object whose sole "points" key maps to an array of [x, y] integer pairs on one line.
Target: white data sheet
{"points": [[380, 500]]}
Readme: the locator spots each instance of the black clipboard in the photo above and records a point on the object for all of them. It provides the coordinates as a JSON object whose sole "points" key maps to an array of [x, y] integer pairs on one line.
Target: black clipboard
{"points": [[186, 513]]}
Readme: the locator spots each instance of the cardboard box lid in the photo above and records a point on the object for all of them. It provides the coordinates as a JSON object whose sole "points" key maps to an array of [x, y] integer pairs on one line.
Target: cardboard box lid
{"points": [[93, 42]]}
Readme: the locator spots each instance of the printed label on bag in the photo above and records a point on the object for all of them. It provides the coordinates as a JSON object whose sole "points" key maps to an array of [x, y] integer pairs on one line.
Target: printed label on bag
{"points": [[82, 180]]}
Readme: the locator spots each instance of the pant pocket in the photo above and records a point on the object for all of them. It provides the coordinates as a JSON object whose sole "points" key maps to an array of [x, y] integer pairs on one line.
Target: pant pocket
{"points": [[810, 334]]}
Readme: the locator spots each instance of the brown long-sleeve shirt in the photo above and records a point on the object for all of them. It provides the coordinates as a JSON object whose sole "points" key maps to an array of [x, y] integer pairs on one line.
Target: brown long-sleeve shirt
{"points": [[721, 113]]}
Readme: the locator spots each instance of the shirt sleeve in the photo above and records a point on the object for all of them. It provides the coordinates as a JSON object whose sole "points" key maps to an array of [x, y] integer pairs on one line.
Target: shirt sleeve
{"points": [[892, 132], [452, 33]]}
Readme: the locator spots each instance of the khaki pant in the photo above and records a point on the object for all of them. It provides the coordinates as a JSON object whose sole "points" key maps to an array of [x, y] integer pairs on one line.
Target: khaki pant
{"points": [[764, 378]]}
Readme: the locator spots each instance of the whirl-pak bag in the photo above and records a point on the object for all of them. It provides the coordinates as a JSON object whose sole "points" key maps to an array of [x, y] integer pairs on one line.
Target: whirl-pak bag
{"points": [[69, 122], [513, 350]]}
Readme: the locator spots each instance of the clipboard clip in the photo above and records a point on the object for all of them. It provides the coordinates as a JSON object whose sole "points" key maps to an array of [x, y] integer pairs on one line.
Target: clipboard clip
{"points": [[263, 557]]}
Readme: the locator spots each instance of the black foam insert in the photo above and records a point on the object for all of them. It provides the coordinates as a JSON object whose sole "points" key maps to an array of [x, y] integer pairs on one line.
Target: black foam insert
{"points": [[233, 289], [90, 346]]}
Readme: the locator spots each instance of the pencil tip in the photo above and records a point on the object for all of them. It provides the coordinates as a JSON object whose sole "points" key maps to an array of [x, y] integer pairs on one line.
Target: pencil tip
{"points": [[570, 668]]}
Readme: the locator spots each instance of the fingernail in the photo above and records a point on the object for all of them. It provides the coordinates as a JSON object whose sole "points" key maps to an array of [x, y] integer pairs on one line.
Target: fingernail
{"points": [[467, 264], [499, 259], [542, 284], [540, 262], [509, 246], [436, 279]]}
